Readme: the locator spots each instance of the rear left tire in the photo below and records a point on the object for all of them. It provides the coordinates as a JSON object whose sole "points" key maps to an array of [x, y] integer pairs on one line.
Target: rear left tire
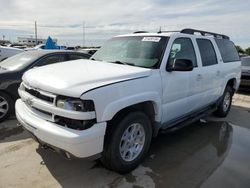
{"points": [[226, 102]]}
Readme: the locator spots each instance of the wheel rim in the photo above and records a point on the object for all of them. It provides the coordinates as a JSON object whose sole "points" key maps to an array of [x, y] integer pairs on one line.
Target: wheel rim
{"points": [[132, 142], [226, 101], [4, 107]]}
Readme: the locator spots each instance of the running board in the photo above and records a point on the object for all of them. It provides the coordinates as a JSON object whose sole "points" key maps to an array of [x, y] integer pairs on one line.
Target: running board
{"points": [[183, 122]]}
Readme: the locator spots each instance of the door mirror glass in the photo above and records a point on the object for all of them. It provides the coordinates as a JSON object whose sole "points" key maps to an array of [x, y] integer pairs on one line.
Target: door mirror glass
{"points": [[181, 65]]}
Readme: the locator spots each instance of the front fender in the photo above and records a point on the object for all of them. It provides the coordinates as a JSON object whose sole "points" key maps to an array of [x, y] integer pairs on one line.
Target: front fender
{"points": [[111, 99], [114, 107]]}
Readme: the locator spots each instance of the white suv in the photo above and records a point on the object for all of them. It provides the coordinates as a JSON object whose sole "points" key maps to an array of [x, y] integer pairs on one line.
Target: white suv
{"points": [[135, 86]]}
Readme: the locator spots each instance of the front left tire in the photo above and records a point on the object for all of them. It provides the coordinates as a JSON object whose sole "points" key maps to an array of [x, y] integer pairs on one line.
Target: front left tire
{"points": [[127, 142], [6, 106]]}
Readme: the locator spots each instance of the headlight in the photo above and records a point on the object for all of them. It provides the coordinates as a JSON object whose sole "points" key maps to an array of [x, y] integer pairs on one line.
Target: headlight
{"points": [[75, 104]]}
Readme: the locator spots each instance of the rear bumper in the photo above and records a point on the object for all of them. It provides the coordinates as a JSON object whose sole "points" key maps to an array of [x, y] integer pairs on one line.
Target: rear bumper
{"points": [[81, 144]]}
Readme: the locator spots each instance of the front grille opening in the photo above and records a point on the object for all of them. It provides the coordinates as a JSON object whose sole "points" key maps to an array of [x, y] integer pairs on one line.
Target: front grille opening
{"points": [[37, 94], [42, 111], [75, 124]]}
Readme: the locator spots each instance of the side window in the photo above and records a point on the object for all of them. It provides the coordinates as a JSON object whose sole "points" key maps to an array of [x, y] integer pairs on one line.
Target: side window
{"points": [[208, 55], [227, 50], [51, 60], [182, 48], [76, 56]]}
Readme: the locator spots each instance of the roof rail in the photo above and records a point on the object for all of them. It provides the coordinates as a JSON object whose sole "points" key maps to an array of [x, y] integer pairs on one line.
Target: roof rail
{"points": [[140, 32], [167, 31], [204, 33]]}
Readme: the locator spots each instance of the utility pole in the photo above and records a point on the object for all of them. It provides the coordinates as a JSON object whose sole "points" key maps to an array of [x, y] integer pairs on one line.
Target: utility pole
{"points": [[36, 32], [83, 34]]}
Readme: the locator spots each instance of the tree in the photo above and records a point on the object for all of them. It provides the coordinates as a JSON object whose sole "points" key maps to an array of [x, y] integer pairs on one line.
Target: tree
{"points": [[247, 51], [240, 50]]}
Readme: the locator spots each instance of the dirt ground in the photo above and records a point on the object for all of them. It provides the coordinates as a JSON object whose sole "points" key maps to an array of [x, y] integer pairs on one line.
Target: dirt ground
{"points": [[211, 153]]}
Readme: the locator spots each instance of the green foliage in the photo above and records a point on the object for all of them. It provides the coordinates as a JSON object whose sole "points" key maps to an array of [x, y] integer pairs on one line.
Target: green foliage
{"points": [[247, 51], [240, 50]]}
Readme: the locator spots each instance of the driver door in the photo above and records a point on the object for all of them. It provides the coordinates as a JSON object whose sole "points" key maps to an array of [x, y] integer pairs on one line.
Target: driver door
{"points": [[176, 84]]}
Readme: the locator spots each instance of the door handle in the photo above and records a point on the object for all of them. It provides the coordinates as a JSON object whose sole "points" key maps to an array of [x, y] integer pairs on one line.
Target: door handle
{"points": [[218, 73], [198, 77]]}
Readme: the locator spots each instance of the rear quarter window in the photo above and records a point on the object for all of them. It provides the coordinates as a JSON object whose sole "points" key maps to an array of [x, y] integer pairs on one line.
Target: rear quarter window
{"points": [[227, 50]]}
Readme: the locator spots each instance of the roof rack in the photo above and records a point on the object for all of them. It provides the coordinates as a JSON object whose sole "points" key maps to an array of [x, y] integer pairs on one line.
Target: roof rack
{"points": [[204, 33], [167, 31], [140, 32]]}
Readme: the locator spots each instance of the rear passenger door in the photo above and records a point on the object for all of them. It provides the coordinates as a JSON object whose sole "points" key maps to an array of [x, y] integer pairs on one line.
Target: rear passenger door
{"points": [[210, 73]]}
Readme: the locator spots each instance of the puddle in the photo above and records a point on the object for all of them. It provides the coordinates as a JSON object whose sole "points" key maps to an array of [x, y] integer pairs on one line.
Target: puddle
{"points": [[201, 155]]}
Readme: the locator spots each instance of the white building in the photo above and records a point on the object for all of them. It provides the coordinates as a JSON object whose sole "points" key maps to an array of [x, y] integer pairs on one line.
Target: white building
{"points": [[32, 41]]}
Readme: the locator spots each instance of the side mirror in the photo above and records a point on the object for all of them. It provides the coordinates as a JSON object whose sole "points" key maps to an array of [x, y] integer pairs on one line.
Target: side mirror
{"points": [[181, 65]]}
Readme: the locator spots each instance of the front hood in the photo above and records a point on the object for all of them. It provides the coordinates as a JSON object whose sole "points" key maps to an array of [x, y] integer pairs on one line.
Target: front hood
{"points": [[72, 78]]}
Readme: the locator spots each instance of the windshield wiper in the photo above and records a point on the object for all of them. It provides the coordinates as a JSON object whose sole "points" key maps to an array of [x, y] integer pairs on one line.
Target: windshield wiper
{"points": [[123, 63]]}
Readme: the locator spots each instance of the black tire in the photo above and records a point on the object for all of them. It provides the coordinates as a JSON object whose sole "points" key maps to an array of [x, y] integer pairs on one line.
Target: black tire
{"points": [[9, 106], [111, 157], [221, 110]]}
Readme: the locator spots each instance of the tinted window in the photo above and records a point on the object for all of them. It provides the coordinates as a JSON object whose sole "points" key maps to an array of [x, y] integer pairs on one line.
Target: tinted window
{"points": [[227, 50], [208, 55], [77, 56], [182, 48], [51, 59]]}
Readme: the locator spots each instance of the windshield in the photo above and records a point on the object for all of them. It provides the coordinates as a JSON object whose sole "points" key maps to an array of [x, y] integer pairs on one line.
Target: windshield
{"points": [[18, 62], [245, 61], [138, 51]]}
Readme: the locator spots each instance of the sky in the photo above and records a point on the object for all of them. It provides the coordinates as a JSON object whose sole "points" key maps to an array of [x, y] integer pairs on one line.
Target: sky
{"points": [[64, 19]]}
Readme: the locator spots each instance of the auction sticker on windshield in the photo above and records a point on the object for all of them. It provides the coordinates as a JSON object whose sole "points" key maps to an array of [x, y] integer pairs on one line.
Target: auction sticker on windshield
{"points": [[151, 39]]}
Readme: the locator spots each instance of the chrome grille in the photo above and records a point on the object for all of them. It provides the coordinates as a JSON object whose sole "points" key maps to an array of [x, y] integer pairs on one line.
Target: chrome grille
{"points": [[38, 95], [43, 96]]}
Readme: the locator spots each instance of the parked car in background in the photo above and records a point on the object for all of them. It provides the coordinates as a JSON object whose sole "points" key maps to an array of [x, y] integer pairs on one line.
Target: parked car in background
{"points": [[245, 72], [132, 88], [6, 52], [90, 51], [37, 47], [13, 68], [19, 46]]}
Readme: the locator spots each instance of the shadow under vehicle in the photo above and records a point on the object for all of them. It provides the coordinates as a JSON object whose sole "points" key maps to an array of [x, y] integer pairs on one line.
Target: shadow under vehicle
{"points": [[184, 158]]}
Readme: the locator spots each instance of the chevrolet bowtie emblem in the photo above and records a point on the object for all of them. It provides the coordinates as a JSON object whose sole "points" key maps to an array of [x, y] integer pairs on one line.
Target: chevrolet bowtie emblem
{"points": [[29, 101]]}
